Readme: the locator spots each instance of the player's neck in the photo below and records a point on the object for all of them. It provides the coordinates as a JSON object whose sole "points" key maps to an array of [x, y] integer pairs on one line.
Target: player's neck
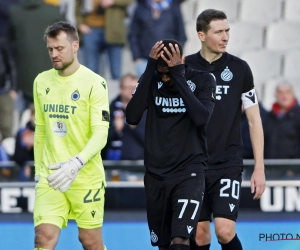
{"points": [[70, 70], [210, 56]]}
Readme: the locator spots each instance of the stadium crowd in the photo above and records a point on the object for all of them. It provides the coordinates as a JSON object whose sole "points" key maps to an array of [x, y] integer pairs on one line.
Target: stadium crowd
{"points": [[116, 37]]}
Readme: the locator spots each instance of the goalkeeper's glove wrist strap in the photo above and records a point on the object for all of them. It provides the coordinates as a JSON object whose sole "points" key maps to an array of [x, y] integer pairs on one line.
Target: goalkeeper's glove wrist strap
{"points": [[80, 161]]}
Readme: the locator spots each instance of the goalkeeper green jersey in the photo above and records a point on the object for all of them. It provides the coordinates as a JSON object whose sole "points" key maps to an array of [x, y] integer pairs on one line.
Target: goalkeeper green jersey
{"points": [[72, 117]]}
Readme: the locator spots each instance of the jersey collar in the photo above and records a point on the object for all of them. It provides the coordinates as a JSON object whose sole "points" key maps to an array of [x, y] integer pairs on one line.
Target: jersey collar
{"points": [[212, 66]]}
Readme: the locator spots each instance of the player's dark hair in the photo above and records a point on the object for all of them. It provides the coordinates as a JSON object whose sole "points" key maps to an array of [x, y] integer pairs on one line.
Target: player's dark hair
{"points": [[166, 43], [54, 30], [206, 16]]}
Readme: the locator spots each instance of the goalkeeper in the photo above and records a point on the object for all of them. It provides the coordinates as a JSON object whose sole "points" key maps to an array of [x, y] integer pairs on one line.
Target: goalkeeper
{"points": [[72, 120]]}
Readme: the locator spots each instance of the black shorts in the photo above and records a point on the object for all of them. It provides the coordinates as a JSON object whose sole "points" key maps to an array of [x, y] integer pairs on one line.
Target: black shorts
{"points": [[173, 206], [222, 193]]}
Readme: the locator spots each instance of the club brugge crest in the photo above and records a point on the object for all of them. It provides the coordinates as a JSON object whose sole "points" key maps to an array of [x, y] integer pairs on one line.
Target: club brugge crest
{"points": [[191, 85], [75, 95], [226, 75], [154, 237]]}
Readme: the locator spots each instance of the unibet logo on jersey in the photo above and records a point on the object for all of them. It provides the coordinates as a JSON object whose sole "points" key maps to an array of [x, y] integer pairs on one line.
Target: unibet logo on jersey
{"points": [[221, 90], [173, 105]]}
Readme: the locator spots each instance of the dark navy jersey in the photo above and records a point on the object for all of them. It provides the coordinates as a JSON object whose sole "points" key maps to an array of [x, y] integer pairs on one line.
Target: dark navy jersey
{"points": [[234, 78], [175, 138]]}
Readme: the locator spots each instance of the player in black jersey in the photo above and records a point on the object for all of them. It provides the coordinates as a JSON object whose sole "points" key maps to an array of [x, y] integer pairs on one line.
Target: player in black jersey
{"points": [[179, 102], [225, 148]]}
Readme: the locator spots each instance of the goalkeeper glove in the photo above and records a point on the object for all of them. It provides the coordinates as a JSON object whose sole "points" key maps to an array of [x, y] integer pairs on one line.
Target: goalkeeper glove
{"points": [[65, 173]]}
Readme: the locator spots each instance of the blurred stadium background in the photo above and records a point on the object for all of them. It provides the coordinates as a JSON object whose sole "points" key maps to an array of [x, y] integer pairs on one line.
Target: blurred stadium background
{"points": [[266, 33]]}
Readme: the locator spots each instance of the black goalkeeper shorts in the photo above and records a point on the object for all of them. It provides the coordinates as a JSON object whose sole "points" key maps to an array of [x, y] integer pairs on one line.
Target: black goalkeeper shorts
{"points": [[173, 206]]}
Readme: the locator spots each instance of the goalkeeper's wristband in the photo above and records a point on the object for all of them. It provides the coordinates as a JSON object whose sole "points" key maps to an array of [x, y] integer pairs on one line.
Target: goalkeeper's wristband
{"points": [[80, 161]]}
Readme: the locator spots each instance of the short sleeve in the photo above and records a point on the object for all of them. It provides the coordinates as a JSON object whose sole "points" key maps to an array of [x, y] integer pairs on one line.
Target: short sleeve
{"points": [[248, 79]]}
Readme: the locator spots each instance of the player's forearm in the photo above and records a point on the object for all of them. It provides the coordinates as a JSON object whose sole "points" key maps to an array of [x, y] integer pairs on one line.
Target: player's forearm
{"points": [[95, 144], [257, 140], [39, 141], [139, 101], [199, 112]]}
